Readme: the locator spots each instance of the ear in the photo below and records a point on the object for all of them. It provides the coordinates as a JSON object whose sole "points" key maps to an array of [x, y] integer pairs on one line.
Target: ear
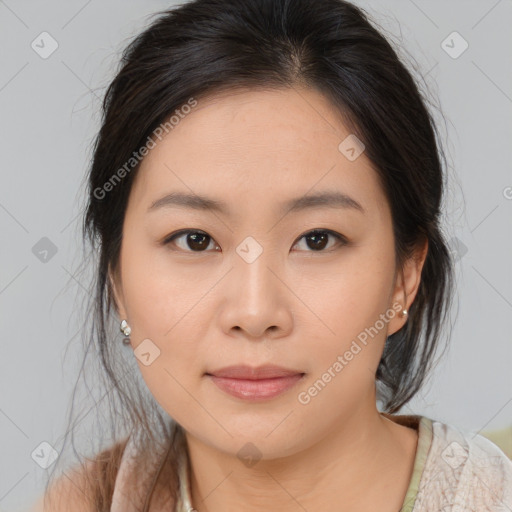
{"points": [[116, 292], [406, 286]]}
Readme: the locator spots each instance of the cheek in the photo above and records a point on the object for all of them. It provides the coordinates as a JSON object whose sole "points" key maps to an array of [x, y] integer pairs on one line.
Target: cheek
{"points": [[343, 362], [162, 303], [151, 288], [348, 304], [349, 295]]}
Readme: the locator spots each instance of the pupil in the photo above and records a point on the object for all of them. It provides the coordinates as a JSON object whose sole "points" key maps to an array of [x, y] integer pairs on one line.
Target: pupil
{"points": [[193, 241], [319, 240]]}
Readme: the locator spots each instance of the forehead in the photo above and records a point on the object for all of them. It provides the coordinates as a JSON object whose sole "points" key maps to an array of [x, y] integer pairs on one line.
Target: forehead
{"points": [[255, 145]]}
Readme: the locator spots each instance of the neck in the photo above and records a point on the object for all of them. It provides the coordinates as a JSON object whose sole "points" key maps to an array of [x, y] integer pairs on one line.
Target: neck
{"points": [[364, 462]]}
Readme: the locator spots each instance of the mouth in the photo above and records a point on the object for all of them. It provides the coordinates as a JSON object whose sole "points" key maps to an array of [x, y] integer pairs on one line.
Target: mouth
{"points": [[255, 384]]}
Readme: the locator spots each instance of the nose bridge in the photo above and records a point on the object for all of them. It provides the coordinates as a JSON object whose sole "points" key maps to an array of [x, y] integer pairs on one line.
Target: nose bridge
{"points": [[252, 270]]}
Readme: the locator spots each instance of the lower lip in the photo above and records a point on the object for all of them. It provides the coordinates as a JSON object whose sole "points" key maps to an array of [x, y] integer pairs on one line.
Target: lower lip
{"points": [[261, 389]]}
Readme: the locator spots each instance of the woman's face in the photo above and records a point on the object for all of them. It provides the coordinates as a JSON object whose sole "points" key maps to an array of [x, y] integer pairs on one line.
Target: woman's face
{"points": [[250, 285]]}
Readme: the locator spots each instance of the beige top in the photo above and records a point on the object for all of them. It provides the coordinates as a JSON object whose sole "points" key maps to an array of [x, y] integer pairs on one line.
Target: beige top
{"points": [[454, 471]]}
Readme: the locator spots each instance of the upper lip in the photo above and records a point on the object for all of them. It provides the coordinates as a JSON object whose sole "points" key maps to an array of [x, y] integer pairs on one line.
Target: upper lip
{"points": [[254, 373]]}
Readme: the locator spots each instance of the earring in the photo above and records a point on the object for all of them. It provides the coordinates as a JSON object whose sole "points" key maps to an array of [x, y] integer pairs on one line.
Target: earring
{"points": [[404, 312], [126, 330]]}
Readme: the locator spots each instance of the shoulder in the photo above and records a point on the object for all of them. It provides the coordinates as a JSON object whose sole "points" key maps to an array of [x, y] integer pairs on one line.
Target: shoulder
{"points": [[73, 487], [464, 469], [82, 487]]}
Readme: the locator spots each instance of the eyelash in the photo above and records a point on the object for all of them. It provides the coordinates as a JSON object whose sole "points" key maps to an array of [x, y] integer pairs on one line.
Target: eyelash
{"points": [[336, 235]]}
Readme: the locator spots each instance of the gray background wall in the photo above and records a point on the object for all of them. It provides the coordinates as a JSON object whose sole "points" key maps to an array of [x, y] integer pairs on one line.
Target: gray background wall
{"points": [[49, 115]]}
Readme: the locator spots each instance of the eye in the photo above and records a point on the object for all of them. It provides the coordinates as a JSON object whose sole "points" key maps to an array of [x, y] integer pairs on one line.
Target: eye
{"points": [[196, 240], [318, 239], [199, 241]]}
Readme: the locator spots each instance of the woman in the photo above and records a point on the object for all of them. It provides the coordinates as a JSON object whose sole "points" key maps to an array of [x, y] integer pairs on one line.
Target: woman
{"points": [[264, 201]]}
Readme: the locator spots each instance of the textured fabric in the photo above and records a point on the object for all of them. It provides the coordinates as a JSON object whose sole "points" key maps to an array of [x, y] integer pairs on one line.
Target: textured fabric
{"points": [[464, 472], [454, 471]]}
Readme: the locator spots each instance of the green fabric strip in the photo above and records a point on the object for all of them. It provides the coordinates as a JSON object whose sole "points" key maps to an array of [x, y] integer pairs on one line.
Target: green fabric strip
{"points": [[424, 442]]}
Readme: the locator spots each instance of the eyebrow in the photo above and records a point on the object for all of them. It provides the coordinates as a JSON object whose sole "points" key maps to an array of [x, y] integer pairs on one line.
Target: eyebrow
{"points": [[327, 199]]}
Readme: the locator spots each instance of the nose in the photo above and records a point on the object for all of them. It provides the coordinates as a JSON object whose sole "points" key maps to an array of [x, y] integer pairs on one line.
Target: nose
{"points": [[258, 303]]}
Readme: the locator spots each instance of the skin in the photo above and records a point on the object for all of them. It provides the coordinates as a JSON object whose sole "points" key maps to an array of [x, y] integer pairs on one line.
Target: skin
{"points": [[293, 306]]}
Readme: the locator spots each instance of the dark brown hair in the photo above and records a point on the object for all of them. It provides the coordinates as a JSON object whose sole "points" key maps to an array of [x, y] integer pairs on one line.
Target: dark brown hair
{"points": [[205, 47]]}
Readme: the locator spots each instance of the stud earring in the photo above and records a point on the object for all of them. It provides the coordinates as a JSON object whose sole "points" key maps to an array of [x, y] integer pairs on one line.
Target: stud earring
{"points": [[126, 330], [404, 312]]}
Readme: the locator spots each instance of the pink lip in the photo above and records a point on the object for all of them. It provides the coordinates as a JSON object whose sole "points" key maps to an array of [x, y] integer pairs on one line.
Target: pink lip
{"points": [[255, 383]]}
